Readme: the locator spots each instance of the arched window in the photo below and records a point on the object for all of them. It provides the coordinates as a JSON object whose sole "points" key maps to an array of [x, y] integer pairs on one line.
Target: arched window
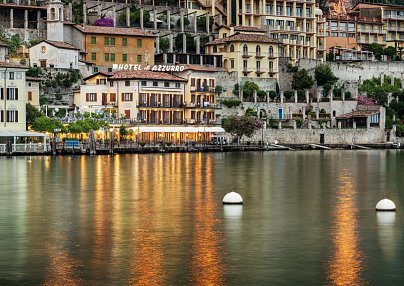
{"points": [[52, 13], [231, 48], [245, 50], [258, 51], [334, 113], [271, 51], [215, 49]]}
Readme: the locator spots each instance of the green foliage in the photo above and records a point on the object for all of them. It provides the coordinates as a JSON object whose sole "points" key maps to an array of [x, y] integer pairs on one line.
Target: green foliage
{"points": [[229, 103], [201, 22], [272, 94], [271, 122], [323, 75], [240, 125], [84, 126], [236, 90], [288, 94], [64, 79], [186, 22], [251, 112], [164, 44], [34, 72], [348, 95], [33, 42], [249, 87], [389, 51], [189, 40], [219, 89], [377, 50], [14, 43], [378, 91], [134, 17], [302, 80], [299, 122], [46, 124], [261, 94], [123, 132], [32, 113], [329, 57]]}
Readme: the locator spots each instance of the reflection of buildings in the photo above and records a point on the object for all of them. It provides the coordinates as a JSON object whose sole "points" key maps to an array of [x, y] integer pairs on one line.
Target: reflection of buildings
{"points": [[345, 265]]}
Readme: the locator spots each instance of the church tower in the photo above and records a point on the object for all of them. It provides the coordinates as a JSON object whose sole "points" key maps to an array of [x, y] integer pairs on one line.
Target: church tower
{"points": [[54, 22]]}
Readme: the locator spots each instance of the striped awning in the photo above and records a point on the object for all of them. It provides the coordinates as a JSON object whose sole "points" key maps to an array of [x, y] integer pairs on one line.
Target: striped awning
{"points": [[173, 129]]}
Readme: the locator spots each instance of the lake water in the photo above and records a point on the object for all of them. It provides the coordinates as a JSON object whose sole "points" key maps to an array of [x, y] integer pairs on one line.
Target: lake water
{"points": [[308, 219]]}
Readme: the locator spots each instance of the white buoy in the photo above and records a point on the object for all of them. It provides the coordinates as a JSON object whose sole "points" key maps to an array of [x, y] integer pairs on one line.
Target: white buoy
{"points": [[385, 205], [233, 198]]}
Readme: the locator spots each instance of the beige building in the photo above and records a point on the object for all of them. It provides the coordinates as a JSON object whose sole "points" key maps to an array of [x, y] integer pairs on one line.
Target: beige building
{"points": [[142, 96], [12, 97], [32, 88], [249, 52]]}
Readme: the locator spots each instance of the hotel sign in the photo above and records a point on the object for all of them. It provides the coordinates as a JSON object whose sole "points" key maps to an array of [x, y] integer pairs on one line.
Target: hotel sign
{"points": [[160, 68]]}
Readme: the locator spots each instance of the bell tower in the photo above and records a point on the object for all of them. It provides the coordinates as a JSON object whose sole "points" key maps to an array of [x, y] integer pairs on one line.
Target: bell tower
{"points": [[54, 20]]}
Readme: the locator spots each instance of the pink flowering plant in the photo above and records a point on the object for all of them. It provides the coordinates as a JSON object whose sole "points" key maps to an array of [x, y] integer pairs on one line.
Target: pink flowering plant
{"points": [[364, 100], [104, 22]]}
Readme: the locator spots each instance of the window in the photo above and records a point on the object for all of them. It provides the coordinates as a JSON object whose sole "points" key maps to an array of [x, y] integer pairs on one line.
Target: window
{"points": [[271, 51], [112, 57], [106, 57], [245, 65], [11, 75], [124, 57], [95, 69], [258, 51], [111, 83], [112, 42], [91, 97], [155, 83], [93, 40], [177, 85], [127, 82], [52, 14], [271, 66], [231, 48], [29, 95], [93, 56], [245, 50], [215, 49], [144, 83], [12, 93], [124, 42], [12, 115], [166, 84], [192, 82], [106, 41], [127, 96], [139, 43], [258, 66], [139, 58], [232, 64]]}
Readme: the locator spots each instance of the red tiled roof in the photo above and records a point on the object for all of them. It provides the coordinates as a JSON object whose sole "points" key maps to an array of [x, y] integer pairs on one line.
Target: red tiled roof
{"points": [[11, 65], [61, 45], [357, 113], [198, 68], [252, 38], [19, 6], [142, 74], [87, 29], [248, 29]]}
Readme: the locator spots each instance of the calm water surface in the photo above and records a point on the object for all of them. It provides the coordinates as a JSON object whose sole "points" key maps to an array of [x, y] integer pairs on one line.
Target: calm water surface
{"points": [[308, 219]]}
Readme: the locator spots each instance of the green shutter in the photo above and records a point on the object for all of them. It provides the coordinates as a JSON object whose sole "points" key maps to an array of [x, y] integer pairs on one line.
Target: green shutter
{"points": [[139, 43], [106, 57], [124, 57], [106, 41], [124, 42]]}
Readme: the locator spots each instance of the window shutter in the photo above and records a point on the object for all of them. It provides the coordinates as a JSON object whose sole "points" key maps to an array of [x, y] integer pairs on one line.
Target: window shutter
{"points": [[16, 116], [8, 116], [16, 93], [8, 94], [112, 97], [2, 115], [95, 97], [123, 97], [1, 93], [131, 96], [87, 97]]}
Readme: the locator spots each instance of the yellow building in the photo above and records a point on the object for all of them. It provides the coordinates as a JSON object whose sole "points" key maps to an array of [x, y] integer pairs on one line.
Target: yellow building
{"points": [[106, 46], [250, 52], [12, 97]]}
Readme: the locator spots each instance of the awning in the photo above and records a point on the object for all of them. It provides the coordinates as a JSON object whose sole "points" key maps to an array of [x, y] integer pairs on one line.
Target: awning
{"points": [[20, 133], [172, 129]]}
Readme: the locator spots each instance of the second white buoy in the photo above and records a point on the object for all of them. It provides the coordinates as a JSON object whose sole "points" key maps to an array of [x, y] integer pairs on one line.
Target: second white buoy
{"points": [[385, 205]]}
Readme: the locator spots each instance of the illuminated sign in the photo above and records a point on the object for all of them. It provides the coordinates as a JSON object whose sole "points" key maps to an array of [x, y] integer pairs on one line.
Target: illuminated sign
{"points": [[133, 67]]}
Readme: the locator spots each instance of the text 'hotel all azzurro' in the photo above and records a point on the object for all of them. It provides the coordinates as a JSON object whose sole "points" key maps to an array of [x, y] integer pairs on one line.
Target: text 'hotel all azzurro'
{"points": [[158, 68]]}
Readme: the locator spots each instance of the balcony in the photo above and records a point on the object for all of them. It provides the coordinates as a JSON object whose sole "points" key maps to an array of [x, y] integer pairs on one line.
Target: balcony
{"points": [[202, 89], [271, 56], [246, 55], [259, 72], [246, 71], [109, 103], [258, 56], [160, 105], [206, 105]]}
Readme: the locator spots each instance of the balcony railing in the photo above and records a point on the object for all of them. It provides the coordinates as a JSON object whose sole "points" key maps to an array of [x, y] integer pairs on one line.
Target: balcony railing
{"points": [[203, 88]]}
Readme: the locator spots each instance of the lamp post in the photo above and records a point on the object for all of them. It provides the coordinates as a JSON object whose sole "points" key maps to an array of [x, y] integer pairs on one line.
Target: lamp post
{"points": [[111, 140]]}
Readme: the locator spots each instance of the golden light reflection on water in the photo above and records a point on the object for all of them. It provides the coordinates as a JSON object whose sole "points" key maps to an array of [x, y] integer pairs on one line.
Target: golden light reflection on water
{"points": [[207, 267], [345, 267]]}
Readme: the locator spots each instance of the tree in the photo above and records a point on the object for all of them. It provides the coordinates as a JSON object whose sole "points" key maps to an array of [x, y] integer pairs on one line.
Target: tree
{"points": [[249, 87], [377, 50], [14, 43], [32, 113], [123, 132], [134, 17], [189, 40], [241, 125], [46, 124], [164, 45], [390, 52], [324, 75], [302, 80]]}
